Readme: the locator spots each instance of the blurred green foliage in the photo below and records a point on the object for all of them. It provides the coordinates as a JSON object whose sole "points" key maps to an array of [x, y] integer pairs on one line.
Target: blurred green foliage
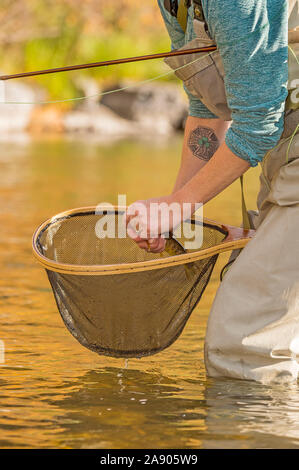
{"points": [[51, 33]]}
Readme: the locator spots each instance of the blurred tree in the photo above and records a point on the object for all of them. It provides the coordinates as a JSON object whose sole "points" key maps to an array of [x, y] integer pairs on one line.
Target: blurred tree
{"points": [[47, 33]]}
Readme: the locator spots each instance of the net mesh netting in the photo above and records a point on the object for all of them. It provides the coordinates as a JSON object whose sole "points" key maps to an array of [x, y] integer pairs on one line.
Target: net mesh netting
{"points": [[131, 314]]}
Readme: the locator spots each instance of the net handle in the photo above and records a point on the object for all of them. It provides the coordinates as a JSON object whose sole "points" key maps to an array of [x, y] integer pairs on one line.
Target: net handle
{"points": [[236, 238]]}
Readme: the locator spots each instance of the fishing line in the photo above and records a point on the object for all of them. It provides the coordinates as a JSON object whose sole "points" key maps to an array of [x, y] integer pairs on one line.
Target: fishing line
{"points": [[294, 54], [133, 85]]}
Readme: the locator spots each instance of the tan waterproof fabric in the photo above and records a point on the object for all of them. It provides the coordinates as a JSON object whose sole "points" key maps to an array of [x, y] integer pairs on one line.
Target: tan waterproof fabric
{"points": [[293, 13], [204, 76], [280, 171], [253, 328]]}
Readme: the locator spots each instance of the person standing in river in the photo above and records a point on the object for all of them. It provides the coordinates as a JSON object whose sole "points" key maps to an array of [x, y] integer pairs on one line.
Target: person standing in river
{"points": [[241, 113]]}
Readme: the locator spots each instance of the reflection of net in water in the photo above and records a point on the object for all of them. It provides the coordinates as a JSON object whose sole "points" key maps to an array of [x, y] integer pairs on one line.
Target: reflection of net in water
{"points": [[115, 298]]}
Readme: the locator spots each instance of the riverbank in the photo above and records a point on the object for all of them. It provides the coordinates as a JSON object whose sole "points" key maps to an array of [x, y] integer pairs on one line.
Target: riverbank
{"points": [[136, 110]]}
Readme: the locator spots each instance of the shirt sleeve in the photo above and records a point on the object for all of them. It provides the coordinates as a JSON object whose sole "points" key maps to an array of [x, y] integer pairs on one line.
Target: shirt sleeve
{"points": [[177, 37], [251, 37]]}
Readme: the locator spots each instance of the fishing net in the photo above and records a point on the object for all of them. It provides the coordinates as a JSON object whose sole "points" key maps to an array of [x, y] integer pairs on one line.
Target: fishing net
{"points": [[117, 299]]}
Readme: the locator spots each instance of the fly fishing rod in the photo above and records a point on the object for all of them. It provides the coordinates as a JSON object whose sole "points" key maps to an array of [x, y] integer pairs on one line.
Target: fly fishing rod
{"points": [[109, 62]]}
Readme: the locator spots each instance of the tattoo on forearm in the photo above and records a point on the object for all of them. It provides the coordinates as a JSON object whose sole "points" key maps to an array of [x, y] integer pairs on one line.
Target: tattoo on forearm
{"points": [[203, 142]]}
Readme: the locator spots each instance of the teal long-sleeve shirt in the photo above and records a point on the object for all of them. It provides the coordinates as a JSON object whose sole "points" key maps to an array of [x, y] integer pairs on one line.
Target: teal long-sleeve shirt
{"points": [[251, 36]]}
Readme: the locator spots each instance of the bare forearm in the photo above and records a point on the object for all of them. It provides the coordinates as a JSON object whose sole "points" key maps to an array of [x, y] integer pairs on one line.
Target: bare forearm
{"points": [[194, 155], [219, 172]]}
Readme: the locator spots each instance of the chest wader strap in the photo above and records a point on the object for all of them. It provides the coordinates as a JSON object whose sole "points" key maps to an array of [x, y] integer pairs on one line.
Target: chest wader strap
{"points": [[245, 217], [246, 223], [182, 15]]}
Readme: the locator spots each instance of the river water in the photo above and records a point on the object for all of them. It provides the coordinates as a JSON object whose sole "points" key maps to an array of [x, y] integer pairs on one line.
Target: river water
{"points": [[56, 394]]}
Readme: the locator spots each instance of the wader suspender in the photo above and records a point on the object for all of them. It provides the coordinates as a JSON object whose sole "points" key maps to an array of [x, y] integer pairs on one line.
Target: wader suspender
{"points": [[182, 16], [182, 13]]}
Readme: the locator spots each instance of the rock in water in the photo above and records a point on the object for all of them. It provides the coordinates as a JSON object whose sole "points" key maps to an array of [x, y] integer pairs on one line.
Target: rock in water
{"points": [[153, 105]]}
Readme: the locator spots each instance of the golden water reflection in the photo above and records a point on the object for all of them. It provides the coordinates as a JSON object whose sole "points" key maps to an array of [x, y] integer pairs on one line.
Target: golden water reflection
{"points": [[55, 393]]}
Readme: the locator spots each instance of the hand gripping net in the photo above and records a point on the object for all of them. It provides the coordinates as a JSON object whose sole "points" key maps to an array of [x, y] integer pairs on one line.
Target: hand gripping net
{"points": [[117, 299]]}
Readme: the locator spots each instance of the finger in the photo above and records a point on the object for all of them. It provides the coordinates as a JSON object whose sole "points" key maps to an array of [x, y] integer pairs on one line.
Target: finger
{"points": [[135, 231], [143, 244], [129, 216], [131, 212], [153, 243], [134, 210], [133, 234], [160, 246]]}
